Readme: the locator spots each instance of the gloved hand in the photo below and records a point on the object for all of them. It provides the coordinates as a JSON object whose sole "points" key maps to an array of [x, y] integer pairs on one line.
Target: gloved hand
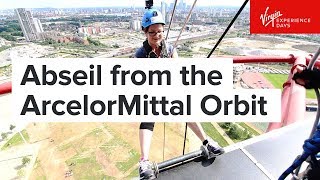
{"points": [[308, 78]]}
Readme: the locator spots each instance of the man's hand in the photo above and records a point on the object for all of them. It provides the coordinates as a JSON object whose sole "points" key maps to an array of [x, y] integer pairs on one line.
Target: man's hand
{"points": [[308, 78]]}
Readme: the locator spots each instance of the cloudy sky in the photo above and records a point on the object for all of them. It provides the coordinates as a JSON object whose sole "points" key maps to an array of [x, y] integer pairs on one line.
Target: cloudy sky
{"points": [[8, 4]]}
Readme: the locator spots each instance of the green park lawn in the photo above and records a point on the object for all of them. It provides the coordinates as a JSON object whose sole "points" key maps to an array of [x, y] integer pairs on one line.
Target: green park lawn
{"points": [[278, 79], [16, 140]]}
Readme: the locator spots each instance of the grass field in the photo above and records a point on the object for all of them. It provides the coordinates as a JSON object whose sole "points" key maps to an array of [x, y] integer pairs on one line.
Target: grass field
{"points": [[6, 70], [92, 162], [16, 140], [114, 146], [214, 134], [87, 167], [278, 79], [185, 54], [104, 150]]}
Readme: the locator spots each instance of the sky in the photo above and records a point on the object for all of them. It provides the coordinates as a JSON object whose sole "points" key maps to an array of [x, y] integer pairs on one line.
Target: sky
{"points": [[9, 4]]}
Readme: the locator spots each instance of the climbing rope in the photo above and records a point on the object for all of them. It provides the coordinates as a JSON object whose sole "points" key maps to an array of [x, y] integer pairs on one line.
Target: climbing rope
{"points": [[164, 124], [171, 19], [316, 122], [164, 140], [310, 66], [225, 32], [229, 26], [185, 22], [311, 146]]}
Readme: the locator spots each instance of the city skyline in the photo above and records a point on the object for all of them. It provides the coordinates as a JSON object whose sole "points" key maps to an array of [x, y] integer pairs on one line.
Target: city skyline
{"points": [[102, 3]]}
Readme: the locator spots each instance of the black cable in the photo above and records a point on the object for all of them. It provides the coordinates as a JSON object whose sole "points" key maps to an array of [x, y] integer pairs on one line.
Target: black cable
{"points": [[229, 26], [185, 137], [164, 139]]}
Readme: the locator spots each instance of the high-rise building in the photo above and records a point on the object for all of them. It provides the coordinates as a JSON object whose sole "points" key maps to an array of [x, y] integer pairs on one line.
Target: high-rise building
{"points": [[182, 5], [135, 25], [31, 27], [37, 25], [163, 10]]}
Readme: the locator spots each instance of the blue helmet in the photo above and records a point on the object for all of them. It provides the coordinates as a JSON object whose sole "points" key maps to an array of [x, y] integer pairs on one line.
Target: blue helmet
{"points": [[152, 16]]}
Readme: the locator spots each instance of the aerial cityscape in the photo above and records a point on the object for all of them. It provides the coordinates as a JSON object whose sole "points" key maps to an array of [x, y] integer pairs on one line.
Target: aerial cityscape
{"points": [[91, 150]]}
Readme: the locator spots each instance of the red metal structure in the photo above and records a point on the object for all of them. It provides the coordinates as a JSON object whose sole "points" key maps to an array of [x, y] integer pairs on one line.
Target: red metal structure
{"points": [[293, 95], [5, 88]]}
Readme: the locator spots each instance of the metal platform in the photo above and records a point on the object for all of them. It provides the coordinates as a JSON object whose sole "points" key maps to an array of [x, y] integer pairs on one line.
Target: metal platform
{"points": [[263, 157]]}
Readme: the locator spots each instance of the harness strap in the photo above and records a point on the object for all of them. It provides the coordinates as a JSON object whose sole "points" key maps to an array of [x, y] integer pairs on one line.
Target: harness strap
{"points": [[152, 54], [164, 50]]}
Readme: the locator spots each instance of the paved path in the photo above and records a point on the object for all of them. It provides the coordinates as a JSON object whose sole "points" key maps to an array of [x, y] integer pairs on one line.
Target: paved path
{"points": [[254, 127], [256, 80]]}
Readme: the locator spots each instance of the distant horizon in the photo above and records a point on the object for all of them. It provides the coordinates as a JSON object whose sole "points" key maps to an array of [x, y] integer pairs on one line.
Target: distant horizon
{"points": [[222, 6], [60, 4]]}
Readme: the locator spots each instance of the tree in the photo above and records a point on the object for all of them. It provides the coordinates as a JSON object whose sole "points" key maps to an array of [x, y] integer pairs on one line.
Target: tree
{"points": [[94, 42], [48, 41], [8, 37], [25, 160], [115, 45], [234, 132], [4, 136], [248, 136], [225, 125], [12, 127], [21, 173], [17, 33]]}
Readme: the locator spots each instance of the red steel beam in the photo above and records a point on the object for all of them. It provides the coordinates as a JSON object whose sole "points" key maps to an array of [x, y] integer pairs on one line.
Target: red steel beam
{"points": [[5, 88], [317, 64], [269, 59], [263, 59]]}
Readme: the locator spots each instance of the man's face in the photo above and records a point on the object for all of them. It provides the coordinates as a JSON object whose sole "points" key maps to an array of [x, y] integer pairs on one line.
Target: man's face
{"points": [[155, 34]]}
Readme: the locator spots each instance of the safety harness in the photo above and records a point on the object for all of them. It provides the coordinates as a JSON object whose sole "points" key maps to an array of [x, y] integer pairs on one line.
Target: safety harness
{"points": [[151, 54]]}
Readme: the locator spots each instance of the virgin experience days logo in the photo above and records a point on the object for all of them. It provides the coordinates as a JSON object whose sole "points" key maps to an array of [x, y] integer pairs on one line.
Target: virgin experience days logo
{"points": [[266, 18], [284, 17], [278, 21]]}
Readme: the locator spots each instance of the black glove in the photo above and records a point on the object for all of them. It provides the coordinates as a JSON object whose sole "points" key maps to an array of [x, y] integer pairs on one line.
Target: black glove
{"points": [[311, 78]]}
